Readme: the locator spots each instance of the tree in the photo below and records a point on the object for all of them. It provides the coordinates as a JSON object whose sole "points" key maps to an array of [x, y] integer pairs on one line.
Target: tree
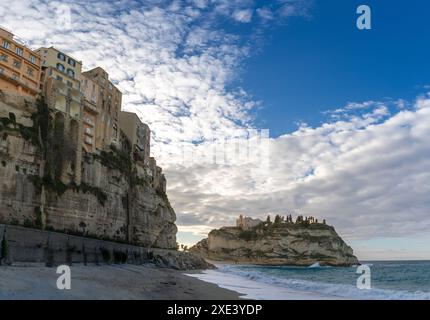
{"points": [[277, 219], [268, 219], [4, 249]]}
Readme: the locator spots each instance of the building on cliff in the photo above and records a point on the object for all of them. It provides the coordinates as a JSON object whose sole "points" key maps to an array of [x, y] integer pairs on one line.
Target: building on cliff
{"points": [[139, 135], [246, 223], [61, 87], [108, 104], [19, 66], [90, 118]]}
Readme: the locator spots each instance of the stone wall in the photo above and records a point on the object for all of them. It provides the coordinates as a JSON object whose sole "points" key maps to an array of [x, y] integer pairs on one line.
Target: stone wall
{"points": [[27, 245]]}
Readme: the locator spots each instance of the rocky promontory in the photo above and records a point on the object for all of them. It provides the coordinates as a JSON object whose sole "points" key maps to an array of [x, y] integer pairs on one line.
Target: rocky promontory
{"points": [[283, 242]]}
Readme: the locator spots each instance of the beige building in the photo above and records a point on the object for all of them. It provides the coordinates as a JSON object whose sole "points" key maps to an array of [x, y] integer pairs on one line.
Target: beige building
{"points": [[61, 87], [19, 66], [109, 106], [91, 91], [138, 133], [61, 83], [246, 223]]}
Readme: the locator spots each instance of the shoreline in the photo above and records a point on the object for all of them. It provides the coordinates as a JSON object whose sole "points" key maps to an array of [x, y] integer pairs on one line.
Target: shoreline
{"points": [[253, 290], [108, 282]]}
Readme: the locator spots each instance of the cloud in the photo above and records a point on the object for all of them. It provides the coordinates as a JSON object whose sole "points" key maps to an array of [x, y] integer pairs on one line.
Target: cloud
{"points": [[366, 175], [290, 8], [265, 13], [244, 16]]}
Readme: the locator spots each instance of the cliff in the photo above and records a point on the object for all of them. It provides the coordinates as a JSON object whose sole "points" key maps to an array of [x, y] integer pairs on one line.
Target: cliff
{"points": [[115, 199], [286, 243]]}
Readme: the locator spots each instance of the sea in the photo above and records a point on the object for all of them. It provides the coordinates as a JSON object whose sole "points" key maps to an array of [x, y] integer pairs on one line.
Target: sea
{"points": [[389, 280]]}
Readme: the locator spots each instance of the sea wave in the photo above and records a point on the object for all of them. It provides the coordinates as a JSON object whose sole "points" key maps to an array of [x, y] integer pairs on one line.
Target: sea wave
{"points": [[315, 265], [323, 289]]}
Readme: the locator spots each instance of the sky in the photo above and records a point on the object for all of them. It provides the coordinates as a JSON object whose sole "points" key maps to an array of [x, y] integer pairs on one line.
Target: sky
{"points": [[261, 107]]}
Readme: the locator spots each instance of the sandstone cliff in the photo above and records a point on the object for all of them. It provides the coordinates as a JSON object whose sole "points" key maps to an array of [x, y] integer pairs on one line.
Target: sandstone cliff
{"points": [[300, 244], [115, 200]]}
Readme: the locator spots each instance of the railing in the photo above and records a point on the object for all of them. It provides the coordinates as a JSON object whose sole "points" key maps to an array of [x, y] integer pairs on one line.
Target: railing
{"points": [[15, 38]]}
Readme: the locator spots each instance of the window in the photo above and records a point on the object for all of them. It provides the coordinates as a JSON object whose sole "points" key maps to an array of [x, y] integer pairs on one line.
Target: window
{"points": [[16, 64], [61, 56], [88, 131], [60, 67], [1, 70], [3, 57], [15, 76], [30, 72], [18, 51], [6, 44], [71, 62], [110, 86], [59, 78], [33, 59], [69, 84], [70, 73]]}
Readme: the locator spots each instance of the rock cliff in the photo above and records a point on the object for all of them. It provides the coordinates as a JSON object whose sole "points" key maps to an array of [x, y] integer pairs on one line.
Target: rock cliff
{"points": [[115, 200], [286, 243]]}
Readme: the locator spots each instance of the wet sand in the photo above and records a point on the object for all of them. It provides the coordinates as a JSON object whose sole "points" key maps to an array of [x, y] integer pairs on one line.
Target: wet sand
{"points": [[109, 282]]}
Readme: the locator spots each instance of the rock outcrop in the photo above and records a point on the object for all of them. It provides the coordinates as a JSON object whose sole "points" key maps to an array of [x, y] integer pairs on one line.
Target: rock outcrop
{"points": [[299, 244]]}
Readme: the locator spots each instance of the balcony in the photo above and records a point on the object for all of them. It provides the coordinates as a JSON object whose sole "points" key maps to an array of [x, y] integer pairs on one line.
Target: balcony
{"points": [[75, 95], [90, 107], [15, 79], [89, 121], [60, 87], [88, 141], [89, 132]]}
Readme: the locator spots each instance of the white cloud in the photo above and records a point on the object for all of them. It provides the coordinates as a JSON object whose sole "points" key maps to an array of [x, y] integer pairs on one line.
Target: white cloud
{"points": [[367, 175], [265, 13], [244, 16]]}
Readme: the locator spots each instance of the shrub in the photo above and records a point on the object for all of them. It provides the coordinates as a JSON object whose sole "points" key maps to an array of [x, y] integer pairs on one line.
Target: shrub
{"points": [[4, 248], [106, 255], [38, 221], [119, 257], [12, 117], [248, 235]]}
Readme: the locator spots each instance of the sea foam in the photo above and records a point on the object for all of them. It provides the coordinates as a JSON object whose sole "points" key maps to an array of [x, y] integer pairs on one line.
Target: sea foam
{"points": [[254, 284]]}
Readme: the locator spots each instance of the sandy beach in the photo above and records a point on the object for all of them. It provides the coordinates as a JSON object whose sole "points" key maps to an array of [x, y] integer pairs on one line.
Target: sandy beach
{"points": [[128, 282]]}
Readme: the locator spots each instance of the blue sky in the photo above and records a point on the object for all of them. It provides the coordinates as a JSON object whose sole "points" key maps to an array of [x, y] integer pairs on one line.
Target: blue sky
{"points": [[328, 56], [348, 110]]}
